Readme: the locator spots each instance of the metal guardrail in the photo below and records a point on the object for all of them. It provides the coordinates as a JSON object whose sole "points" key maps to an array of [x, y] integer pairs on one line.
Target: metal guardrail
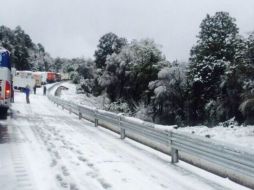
{"points": [[220, 158]]}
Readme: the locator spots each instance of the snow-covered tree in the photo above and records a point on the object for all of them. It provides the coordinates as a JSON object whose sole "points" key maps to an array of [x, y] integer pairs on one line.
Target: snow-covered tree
{"points": [[128, 73], [7, 38], [108, 44], [169, 94], [247, 105], [216, 50], [25, 55]]}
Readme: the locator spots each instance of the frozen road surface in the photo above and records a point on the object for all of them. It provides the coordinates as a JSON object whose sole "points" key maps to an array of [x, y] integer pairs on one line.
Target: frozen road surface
{"points": [[43, 147]]}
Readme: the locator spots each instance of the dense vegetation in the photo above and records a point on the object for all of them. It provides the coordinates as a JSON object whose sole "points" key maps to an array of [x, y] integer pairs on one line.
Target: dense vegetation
{"points": [[25, 54], [217, 83]]}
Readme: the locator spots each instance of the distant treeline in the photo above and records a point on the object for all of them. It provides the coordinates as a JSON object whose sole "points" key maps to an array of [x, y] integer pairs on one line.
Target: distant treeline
{"points": [[25, 55]]}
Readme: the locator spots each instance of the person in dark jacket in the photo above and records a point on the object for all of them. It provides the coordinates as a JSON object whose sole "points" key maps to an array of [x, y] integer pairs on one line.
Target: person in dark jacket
{"points": [[27, 91]]}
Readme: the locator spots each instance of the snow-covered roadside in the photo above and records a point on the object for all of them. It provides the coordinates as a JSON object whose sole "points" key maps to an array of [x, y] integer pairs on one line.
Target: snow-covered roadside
{"points": [[58, 151], [83, 99], [238, 135]]}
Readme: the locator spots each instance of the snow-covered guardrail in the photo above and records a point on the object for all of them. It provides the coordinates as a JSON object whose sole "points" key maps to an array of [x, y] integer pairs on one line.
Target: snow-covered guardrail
{"points": [[223, 159]]}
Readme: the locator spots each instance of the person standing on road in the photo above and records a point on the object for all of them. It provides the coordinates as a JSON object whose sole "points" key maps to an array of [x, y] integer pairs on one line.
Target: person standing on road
{"points": [[27, 91], [44, 90], [34, 89]]}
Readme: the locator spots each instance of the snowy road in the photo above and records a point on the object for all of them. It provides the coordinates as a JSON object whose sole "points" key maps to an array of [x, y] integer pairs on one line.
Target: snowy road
{"points": [[45, 148]]}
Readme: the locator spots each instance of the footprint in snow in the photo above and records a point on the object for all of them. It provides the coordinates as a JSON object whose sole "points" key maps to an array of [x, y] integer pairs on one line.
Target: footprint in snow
{"points": [[90, 165], [65, 171], [82, 159], [64, 184], [57, 155], [73, 187], [61, 181], [92, 174], [59, 177], [79, 152], [53, 163], [104, 184]]}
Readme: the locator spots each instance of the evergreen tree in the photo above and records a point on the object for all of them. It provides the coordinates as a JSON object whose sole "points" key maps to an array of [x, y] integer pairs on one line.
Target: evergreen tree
{"points": [[58, 64], [25, 55], [247, 105], [108, 44], [216, 49], [7, 38]]}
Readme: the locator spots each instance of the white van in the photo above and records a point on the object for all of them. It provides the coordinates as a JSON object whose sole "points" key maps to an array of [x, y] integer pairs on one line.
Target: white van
{"points": [[43, 76], [23, 78], [38, 79]]}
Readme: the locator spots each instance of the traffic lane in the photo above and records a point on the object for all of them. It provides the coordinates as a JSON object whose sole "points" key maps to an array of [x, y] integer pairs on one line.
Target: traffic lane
{"points": [[14, 173], [4, 132], [4, 135]]}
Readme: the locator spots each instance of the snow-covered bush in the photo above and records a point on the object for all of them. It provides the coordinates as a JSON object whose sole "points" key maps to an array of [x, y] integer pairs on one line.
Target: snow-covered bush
{"points": [[75, 77], [229, 123], [247, 109], [144, 112], [168, 100], [87, 85], [119, 107]]}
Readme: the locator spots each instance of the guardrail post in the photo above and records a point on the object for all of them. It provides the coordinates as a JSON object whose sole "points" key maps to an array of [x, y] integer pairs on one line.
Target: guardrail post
{"points": [[174, 151], [95, 118], [174, 155], [122, 133], [122, 129]]}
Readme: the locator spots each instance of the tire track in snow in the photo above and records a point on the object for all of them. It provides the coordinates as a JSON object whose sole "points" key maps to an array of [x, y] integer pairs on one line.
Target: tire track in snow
{"points": [[23, 178]]}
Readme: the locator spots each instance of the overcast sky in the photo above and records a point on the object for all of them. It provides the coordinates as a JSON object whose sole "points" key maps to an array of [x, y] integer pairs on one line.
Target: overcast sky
{"points": [[72, 28]]}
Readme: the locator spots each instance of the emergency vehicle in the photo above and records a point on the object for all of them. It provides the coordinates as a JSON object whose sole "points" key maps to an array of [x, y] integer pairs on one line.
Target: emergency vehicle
{"points": [[5, 81]]}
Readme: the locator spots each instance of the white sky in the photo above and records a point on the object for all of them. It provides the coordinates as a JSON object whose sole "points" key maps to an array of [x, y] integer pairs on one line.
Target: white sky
{"points": [[72, 28]]}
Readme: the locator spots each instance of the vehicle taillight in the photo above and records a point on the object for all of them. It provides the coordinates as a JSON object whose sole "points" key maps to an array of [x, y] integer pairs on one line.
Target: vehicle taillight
{"points": [[7, 90]]}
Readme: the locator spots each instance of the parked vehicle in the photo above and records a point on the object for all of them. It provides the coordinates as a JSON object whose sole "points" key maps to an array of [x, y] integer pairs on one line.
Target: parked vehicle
{"points": [[38, 78], [51, 77], [44, 75], [65, 76], [22, 79], [58, 77], [5, 81]]}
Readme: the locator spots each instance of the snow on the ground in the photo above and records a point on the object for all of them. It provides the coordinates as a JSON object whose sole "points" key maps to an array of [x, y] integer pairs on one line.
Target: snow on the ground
{"points": [[50, 149], [83, 99], [238, 135]]}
